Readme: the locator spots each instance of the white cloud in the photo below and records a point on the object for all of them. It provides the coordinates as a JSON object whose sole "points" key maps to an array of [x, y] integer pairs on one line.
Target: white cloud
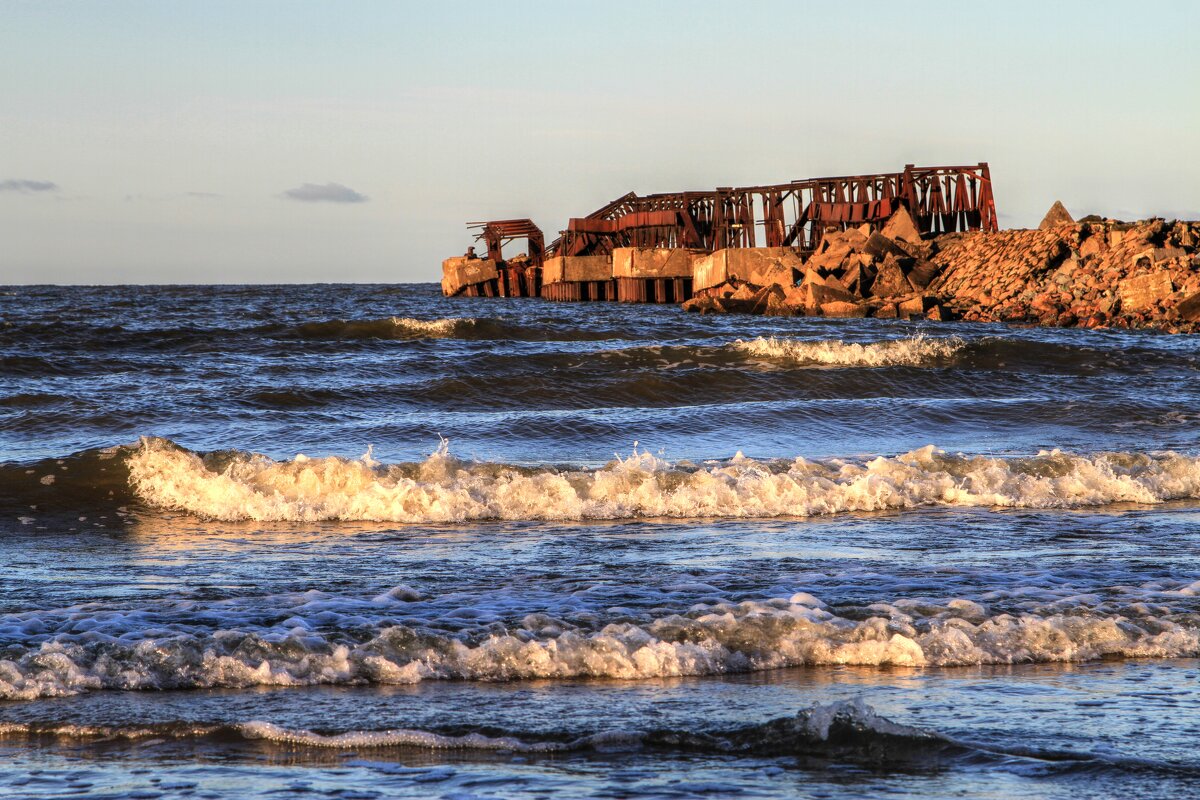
{"points": [[26, 186], [325, 193]]}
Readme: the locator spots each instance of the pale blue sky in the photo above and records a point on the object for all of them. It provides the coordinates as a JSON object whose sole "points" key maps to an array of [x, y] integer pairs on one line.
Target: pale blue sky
{"points": [[174, 131]]}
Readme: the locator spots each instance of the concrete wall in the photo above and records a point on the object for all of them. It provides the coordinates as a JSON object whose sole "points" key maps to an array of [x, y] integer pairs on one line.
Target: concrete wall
{"points": [[460, 272], [577, 268], [633, 262], [761, 266]]}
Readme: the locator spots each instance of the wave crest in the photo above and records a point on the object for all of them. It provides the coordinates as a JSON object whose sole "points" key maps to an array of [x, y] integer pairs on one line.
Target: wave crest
{"points": [[910, 352], [391, 328], [70, 653], [242, 486], [845, 729]]}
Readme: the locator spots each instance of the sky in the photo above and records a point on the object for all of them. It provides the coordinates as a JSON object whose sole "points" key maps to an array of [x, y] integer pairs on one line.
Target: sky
{"points": [[278, 142]]}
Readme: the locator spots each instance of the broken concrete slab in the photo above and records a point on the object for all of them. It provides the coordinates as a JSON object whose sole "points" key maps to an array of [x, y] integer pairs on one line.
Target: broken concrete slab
{"points": [[879, 246], [922, 274], [890, 280], [1189, 308], [761, 266], [1143, 292], [902, 226], [460, 272]]}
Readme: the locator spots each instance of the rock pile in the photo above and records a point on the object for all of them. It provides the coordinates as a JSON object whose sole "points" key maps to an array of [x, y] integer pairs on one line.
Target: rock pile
{"points": [[1092, 273], [855, 273]]}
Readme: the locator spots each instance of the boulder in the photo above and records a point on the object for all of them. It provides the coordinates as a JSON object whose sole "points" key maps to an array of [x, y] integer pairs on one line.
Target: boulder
{"points": [[702, 304], [743, 292], [1091, 246], [939, 313], [1158, 254], [814, 295], [1057, 215], [842, 308], [915, 307], [794, 296], [777, 306], [857, 279], [1189, 308], [922, 274], [890, 280], [902, 226], [1143, 292], [879, 246]]}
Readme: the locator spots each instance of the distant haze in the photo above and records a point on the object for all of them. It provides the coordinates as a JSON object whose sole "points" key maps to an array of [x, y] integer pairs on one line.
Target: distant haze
{"points": [[151, 142]]}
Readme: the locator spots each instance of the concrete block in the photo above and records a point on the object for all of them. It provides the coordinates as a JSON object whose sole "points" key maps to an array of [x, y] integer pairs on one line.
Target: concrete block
{"points": [[460, 272], [577, 268], [658, 262], [761, 266]]}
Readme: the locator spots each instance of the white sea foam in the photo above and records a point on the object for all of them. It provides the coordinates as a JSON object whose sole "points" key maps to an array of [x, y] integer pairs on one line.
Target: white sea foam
{"points": [[432, 328], [397, 738], [912, 351], [444, 489], [85, 649]]}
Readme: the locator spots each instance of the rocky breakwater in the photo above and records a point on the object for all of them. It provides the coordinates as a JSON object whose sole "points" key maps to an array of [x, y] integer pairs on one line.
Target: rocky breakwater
{"points": [[855, 273], [1092, 273]]}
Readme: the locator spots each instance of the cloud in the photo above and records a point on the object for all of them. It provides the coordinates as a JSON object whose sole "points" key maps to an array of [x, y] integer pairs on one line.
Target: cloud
{"points": [[27, 187], [325, 193]]}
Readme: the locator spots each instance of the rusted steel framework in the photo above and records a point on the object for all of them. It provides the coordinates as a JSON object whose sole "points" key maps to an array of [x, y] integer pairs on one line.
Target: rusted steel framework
{"points": [[497, 233], [793, 214]]}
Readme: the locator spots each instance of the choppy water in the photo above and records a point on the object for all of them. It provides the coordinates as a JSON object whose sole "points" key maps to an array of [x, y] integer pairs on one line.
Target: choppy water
{"points": [[364, 541]]}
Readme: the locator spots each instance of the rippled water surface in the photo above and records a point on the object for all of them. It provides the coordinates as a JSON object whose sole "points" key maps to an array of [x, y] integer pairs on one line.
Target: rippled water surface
{"points": [[366, 541]]}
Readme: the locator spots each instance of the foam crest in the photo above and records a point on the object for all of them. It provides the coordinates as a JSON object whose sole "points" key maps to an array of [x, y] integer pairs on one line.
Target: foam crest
{"points": [[432, 328], [913, 351], [853, 723], [84, 651], [444, 489], [390, 328]]}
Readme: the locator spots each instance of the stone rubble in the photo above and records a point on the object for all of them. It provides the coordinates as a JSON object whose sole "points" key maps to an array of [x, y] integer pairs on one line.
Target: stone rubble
{"points": [[1092, 273]]}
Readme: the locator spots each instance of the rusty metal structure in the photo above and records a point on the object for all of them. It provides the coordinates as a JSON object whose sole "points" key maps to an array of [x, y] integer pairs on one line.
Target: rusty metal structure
{"points": [[795, 214], [519, 277]]}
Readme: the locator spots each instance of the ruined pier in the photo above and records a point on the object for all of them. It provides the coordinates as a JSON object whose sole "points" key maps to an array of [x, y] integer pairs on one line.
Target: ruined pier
{"points": [[647, 249], [921, 243]]}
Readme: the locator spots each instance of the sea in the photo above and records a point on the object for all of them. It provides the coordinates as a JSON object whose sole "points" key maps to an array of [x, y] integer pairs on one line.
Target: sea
{"points": [[362, 541]]}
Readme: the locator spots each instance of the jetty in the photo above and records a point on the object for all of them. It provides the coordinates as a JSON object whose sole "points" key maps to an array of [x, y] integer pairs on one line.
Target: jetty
{"points": [[923, 242], [640, 249]]}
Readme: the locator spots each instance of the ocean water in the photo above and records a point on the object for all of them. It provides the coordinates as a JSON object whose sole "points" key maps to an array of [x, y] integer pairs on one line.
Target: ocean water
{"points": [[366, 541]]}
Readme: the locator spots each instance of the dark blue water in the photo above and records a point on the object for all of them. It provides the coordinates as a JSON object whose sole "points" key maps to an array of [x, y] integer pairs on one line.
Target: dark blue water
{"points": [[365, 541]]}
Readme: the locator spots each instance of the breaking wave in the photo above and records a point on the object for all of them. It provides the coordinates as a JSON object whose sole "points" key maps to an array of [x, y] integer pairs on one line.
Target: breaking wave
{"points": [[392, 328], [241, 486], [478, 328], [233, 486], [847, 730], [314, 638], [912, 351]]}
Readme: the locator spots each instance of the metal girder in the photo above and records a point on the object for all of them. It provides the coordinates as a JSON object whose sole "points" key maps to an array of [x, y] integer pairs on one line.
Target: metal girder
{"points": [[793, 214]]}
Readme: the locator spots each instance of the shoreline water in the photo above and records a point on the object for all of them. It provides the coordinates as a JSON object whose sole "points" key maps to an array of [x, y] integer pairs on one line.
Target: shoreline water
{"points": [[507, 575]]}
